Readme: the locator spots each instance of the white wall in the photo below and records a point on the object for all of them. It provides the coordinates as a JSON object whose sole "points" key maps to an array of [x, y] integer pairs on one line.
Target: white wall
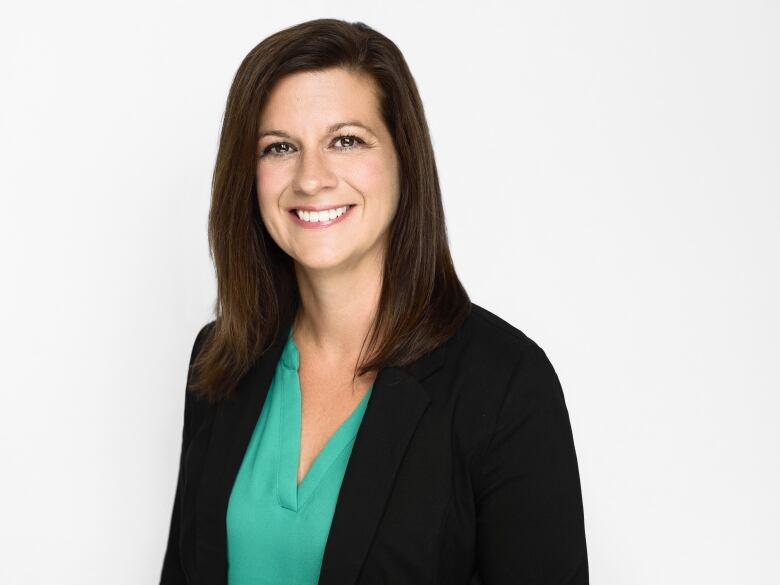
{"points": [[619, 159]]}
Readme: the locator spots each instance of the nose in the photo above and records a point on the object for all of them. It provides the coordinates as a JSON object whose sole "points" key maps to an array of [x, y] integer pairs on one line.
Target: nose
{"points": [[313, 173]]}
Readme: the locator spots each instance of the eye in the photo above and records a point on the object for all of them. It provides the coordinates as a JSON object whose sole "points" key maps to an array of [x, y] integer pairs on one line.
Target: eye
{"points": [[273, 149], [269, 149], [353, 139]]}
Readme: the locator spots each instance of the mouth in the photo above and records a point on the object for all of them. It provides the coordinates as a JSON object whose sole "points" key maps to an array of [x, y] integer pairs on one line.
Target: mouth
{"points": [[311, 208], [311, 217]]}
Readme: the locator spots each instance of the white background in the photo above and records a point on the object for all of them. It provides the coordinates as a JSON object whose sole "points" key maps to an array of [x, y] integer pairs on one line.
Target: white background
{"points": [[620, 160]]}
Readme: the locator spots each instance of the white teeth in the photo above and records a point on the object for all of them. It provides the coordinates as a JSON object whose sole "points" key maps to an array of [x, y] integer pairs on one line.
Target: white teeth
{"points": [[324, 215]]}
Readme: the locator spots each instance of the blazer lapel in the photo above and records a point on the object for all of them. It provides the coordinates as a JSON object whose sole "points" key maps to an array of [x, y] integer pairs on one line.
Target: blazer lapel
{"points": [[397, 402], [234, 421]]}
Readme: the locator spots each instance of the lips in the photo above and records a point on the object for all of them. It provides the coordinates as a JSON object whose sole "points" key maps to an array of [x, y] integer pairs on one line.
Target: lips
{"points": [[320, 224], [320, 207]]}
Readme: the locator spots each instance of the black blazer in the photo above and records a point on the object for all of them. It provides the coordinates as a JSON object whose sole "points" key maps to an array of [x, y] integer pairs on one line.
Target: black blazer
{"points": [[463, 472]]}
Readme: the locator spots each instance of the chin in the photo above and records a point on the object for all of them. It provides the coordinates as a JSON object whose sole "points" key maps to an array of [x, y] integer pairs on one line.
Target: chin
{"points": [[322, 263]]}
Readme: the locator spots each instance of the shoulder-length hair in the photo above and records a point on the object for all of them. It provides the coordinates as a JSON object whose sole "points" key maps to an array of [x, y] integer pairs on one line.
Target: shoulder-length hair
{"points": [[422, 303]]}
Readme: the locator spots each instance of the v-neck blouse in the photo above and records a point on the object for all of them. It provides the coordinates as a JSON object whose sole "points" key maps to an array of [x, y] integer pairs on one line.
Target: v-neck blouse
{"points": [[277, 529]]}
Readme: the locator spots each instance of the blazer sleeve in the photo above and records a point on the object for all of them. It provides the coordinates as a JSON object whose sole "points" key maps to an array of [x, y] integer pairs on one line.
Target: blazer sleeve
{"points": [[172, 572], [530, 524]]}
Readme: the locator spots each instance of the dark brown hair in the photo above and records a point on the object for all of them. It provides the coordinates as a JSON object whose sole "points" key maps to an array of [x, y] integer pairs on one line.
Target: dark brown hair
{"points": [[422, 303]]}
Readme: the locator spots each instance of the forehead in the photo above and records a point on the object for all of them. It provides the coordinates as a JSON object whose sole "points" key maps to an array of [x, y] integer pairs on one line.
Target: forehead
{"points": [[319, 97]]}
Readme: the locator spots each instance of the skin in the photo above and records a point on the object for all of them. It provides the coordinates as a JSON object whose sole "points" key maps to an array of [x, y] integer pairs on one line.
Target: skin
{"points": [[338, 268]]}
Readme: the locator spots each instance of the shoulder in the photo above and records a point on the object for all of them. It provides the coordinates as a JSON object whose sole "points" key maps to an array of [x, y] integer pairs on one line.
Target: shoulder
{"points": [[200, 337], [197, 346], [488, 324], [497, 360], [487, 340]]}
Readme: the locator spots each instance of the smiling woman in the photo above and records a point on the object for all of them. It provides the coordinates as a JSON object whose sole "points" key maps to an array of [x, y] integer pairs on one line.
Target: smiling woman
{"points": [[350, 416]]}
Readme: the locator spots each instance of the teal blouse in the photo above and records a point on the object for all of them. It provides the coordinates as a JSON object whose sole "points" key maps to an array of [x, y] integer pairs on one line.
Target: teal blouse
{"points": [[277, 529]]}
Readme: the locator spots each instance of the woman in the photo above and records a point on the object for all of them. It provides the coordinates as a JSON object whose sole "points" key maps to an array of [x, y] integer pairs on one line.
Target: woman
{"points": [[350, 416]]}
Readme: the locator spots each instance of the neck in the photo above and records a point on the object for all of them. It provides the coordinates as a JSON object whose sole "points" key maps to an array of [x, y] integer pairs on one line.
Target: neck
{"points": [[336, 310]]}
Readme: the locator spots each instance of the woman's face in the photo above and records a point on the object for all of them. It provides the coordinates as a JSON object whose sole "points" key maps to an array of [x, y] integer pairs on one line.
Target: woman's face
{"points": [[323, 146]]}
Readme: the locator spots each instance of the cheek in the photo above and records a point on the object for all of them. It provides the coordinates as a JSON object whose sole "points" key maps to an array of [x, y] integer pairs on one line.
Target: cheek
{"points": [[375, 178], [269, 185]]}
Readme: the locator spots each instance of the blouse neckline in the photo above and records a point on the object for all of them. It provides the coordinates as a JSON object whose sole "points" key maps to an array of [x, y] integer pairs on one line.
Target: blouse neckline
{"points": [[292, 495]]}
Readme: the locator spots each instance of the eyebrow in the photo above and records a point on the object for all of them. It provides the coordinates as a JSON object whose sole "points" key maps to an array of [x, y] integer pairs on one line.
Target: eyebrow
{"points": [[330, 129]]}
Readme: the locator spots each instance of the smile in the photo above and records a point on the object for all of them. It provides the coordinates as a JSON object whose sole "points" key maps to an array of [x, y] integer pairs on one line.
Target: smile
{"points": [[320, 219]]}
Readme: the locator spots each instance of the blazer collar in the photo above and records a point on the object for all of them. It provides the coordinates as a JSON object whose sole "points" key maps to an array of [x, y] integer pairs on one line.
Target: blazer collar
{"points": [[397, 402]]}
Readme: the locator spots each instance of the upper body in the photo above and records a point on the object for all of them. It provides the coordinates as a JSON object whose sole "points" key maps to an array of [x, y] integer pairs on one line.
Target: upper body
{"points": [[463, 470], [327, 218]]}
